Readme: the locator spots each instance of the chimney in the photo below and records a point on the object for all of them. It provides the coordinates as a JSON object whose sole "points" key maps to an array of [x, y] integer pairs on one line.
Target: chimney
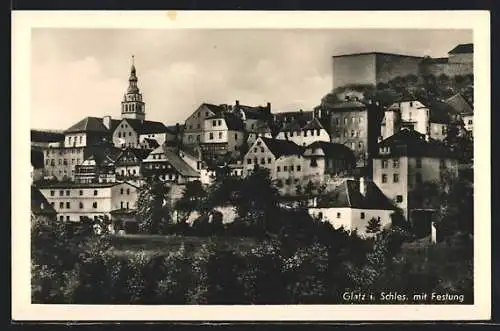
{"points": [[106, 120], [237, 103], [269, 106], [362, 186]]}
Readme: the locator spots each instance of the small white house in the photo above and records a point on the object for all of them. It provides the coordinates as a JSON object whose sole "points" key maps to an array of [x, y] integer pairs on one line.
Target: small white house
{"points": [[351, 206]]}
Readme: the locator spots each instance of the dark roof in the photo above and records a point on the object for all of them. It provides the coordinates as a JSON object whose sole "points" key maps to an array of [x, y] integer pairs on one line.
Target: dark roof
{"points": [[37, 159], [178, 163], [145, 127], [233, 122], [294, 125], [152, 143], [139, 153], [301, 115], [348, 105], [348, 195], [64, 185], [256, 113], [462, 49], [213, 108], [281, 147], [407, 142], [46, 136], [440, 112], [333, 149], [313, 124], [105, 155], [460, 104], [88, 124], [173, 129], [376, 53], [39, 204]]}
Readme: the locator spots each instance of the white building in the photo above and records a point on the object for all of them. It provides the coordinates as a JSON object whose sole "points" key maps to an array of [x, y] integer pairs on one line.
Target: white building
{"points": [[351, 206], [73, 201], [305, 135]]}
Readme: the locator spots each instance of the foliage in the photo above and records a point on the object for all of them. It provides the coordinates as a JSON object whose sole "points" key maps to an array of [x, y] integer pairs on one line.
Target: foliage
{"points": [[152, 209]]}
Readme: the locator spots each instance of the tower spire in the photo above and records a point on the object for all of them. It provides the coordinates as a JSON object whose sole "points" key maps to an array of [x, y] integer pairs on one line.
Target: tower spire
{"points": [[132, 104]]}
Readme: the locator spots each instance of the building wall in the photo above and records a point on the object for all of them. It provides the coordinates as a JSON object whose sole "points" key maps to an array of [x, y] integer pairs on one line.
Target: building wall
{"points": [[354, 69], [438, 131], [194, 125], [415, 111], [350, 128], [391, 66], [124, 196], [125, 132], [75, 140], [304, 137], [337, 217], [461, 58], [389, 124], [361, 217], [124, 171], [61, 161], [390, 188], [259, 154]]}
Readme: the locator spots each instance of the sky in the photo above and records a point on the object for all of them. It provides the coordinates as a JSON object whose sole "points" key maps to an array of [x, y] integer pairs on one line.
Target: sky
{"points": [[84, 72]]}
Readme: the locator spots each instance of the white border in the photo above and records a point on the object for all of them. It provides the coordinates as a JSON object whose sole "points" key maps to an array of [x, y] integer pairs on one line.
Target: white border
{"points": [[22, 22]]}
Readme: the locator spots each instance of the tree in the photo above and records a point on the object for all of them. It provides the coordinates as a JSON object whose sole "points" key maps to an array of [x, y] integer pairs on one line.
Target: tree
{"points": [[152, 209], [374, 225], [192, 199]]}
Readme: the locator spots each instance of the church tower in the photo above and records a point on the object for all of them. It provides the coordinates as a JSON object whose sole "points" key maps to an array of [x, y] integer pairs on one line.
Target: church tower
{"points": [[132, 104]]}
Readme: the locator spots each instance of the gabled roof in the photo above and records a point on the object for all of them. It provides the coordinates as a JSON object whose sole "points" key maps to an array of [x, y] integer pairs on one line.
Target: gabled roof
{"points": [[463, 49], [46, 136], [333, 149], [88, 124], [348, 195], [440, 112], [281, 147], [460, 104], [37, 159], [105, 155], [213, 108], [178, 163], [146, 127], [138, 153], [39, 204], [254, 112], [313, 125], [407, 142]]}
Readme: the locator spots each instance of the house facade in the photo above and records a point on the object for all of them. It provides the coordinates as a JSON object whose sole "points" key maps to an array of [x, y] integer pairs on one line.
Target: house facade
{"points": [[128, 163], [193, 127], [74, 201], [132, 133], [304, 135], [351, 206], [408, 159], [224, 134], [165, 164]]}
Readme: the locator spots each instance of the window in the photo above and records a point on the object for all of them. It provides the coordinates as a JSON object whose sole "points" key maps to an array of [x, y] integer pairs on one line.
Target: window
{"points": [[399, 198], [337, 121], [127, 205], [320, 215], [352, 133], [211, 135], [314, 163], [338, 215], [214, 123], [395, 163], [121, 204], [235, 136], [418, 178], [305, 133], [119, 134], [418, 163], [81, 205], [67, 205], [262, 149], [262, 161], [94, 205], [52, 204], [61, 218], [67, 193], [129, 133], [469, 122], [385, 164], [411, 103], [60, 161], [61, 193], [384, 178], [121, 190], [395, 178], [443, 129], [52, 193], [249, 161], [219, 122], [285, 168], [95, 192], [67, 218], [362, 215], [61, 205], [128, 191], [206, 113], [291, 168], [80, 192], [278, 168], [220, 135], [268, 160], [298, 168], [255, 150]]}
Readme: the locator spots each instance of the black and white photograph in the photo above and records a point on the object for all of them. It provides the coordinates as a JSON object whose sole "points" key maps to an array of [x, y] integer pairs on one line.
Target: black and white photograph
{"points": [[226, 166]]}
